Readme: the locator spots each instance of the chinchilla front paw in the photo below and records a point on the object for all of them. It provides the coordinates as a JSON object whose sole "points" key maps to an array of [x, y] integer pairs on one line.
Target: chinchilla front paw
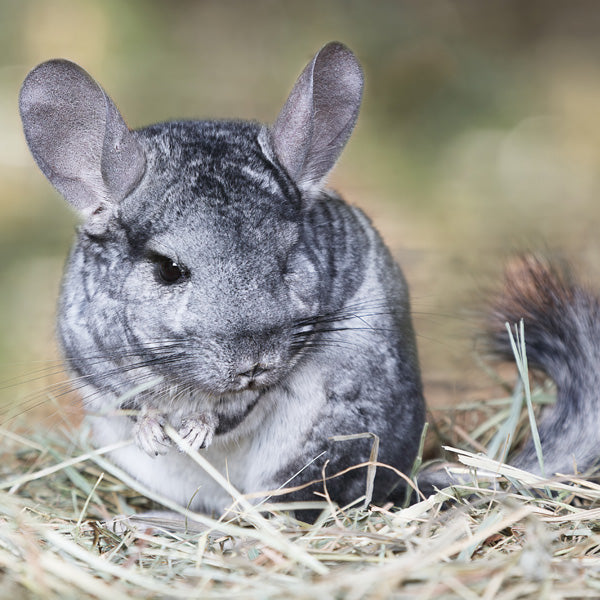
{"points": [[198, 430], [149, 434]]}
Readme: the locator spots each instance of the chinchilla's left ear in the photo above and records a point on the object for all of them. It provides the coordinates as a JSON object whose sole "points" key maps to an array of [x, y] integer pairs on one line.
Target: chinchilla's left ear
{"points": [[78, 138], [319, 115]]}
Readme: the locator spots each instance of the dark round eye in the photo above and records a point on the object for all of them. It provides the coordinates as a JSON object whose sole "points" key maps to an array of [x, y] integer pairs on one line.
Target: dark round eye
{"points": [[169, 271]]}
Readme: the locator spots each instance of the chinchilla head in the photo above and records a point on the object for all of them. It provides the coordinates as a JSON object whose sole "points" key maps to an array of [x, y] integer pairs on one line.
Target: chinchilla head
{"points": [[197, 259]]}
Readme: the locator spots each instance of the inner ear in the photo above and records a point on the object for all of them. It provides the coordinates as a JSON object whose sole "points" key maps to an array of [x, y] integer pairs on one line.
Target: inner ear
{"points": [[78, 137], [319, 115]]}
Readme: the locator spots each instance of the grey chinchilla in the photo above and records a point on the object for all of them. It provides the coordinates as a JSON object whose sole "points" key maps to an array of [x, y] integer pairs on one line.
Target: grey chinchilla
{"points": [[213, 264], [263, 314]]}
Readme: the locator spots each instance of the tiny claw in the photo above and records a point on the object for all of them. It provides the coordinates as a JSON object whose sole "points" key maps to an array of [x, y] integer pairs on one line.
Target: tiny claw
{"points": [[198, 431], [149, 435]]}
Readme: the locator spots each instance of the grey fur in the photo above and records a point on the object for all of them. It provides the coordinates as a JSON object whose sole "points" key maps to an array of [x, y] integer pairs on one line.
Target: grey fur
{"points": [[290, 322], [561, 320], [562, 335]]}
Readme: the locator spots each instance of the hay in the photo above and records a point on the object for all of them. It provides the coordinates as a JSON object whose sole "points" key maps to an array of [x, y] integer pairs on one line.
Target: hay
{"points": [[511, 535], [502, 533]]}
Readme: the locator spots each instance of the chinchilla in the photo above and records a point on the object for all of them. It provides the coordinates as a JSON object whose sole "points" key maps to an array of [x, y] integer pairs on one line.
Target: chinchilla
{"points": [[217, 286], [213, 265]]}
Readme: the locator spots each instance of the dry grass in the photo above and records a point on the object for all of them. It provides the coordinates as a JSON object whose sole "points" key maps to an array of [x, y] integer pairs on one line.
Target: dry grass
{"points": [[519, 538]]}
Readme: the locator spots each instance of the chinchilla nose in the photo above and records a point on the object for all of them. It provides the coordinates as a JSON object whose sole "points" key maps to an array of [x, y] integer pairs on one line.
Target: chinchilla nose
{"points": [[248, 374], [254, 371]]}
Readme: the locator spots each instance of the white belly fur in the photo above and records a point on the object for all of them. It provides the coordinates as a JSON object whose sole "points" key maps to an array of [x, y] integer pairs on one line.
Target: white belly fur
{"points": [[249, 456]]}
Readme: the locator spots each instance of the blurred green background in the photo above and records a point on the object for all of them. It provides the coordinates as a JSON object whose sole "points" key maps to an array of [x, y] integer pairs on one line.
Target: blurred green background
{"points": [[479, 134]]}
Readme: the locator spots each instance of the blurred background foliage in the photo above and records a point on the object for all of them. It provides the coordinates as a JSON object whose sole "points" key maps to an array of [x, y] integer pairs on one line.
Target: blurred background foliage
{"points": [[479, 134]]}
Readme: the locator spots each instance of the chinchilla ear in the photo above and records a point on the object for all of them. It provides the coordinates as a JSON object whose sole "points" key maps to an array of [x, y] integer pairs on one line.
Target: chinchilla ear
{"points": [[78, 138], [319, 115]]}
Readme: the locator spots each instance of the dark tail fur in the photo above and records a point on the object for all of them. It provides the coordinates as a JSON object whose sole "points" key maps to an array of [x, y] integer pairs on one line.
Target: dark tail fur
{"points": [[562, 339]]}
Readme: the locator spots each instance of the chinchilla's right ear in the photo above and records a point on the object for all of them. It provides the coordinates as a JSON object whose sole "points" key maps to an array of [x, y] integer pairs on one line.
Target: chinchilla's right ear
{"points": [[78, 138]]}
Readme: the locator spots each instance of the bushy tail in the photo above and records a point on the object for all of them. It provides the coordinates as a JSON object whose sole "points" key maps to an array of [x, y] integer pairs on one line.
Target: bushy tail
{"points": [[562, 339]]}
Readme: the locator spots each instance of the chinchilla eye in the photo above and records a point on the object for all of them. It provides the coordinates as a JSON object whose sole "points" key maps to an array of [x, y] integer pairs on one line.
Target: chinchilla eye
{"points": [[168, 271]]}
